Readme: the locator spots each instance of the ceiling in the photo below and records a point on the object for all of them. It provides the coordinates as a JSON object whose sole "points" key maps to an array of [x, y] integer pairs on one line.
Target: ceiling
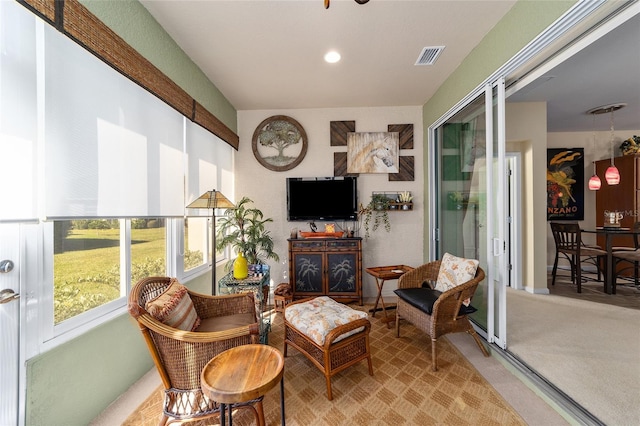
{"points": [[603, 73], [269, 55]]}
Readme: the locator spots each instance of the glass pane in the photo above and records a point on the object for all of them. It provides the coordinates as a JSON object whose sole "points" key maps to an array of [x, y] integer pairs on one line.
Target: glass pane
{"points": [[148, 248], [195, 241], [220, 254], [86, 266], [462, 198]]}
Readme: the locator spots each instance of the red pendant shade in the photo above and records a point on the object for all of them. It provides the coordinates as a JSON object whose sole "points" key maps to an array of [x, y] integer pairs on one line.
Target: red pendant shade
{"points": [[612, 175]]}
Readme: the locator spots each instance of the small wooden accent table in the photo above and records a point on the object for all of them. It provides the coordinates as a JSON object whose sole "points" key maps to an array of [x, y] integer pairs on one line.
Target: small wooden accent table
{"points": [[382, 274], [242, 374]]}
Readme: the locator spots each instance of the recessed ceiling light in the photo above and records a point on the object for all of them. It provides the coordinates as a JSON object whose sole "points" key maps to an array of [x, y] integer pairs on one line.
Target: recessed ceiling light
{"points": [[332, 57]]}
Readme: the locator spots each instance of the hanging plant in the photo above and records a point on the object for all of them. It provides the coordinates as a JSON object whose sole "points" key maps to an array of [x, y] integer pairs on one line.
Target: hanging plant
{"points": [[378, 209]]}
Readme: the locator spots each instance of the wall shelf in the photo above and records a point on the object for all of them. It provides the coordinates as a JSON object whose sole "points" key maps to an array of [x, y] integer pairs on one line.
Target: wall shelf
{"points": [[394, 204]]}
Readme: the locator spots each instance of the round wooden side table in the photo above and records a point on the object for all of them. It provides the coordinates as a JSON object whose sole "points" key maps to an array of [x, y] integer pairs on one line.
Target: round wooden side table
{"points": [[242, 374]]}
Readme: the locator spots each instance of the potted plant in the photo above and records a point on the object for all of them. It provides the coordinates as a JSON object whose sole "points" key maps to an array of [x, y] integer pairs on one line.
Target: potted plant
{"points": [[405, 198], [378, 208], [243, 228]]}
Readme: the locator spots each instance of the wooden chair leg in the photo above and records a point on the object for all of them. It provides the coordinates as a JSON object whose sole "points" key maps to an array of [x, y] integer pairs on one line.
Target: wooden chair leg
{"points": [[434, 362], [163, 420], [554, 270], [259, 411], [475, 336], [578, 268], [329, 394]]}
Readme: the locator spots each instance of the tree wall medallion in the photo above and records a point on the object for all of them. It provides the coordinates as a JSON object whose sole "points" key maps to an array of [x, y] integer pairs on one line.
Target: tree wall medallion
{"points": [[279, 143]]}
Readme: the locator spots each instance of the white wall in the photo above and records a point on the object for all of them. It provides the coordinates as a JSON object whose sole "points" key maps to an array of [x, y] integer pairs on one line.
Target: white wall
{"points": [[403, 245], [527, 133]]}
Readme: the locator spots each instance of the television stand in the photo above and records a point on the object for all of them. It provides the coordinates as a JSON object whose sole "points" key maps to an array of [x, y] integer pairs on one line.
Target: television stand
{"points": [[326, 267]]}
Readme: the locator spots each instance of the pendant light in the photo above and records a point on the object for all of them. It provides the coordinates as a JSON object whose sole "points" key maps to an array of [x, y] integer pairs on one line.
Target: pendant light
{"points": [[594, 182], [612, 175]]}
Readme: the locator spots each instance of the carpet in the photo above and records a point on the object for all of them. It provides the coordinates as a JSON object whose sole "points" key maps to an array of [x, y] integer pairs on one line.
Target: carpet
{"points": [[582, 348], [402, 391]]}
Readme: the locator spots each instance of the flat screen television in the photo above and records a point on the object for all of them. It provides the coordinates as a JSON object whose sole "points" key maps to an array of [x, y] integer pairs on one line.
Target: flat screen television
{"points": [[322, 198]]}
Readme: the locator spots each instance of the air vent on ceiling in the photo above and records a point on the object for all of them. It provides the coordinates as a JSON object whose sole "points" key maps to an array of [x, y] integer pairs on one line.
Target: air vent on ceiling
{"points": [[429, 55]]}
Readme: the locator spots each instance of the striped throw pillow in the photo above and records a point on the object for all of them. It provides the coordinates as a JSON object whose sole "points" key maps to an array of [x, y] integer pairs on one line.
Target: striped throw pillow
{"points": [[174, 308]]}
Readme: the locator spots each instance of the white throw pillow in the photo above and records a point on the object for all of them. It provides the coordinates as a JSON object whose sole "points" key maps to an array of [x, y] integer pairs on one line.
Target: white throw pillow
{"points": [[455, 271]]}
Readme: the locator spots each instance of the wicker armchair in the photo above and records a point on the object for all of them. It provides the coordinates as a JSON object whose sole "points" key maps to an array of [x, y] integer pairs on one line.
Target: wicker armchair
{"points": [[446, 316], [181, 355]]}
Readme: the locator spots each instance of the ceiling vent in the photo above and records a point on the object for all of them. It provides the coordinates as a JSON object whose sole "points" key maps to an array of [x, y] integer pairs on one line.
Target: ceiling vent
{"points": [[429, 55]]}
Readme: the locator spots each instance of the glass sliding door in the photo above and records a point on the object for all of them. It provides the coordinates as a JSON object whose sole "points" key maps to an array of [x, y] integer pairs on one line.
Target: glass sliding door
{"points": [[469, 212], [461, 195], [498, 210]]}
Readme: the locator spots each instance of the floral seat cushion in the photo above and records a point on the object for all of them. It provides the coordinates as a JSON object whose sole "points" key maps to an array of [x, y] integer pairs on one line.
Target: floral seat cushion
{"points": [[317, 317]]}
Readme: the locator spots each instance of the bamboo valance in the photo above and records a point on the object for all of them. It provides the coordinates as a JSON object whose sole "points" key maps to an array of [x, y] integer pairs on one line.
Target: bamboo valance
{"points": [[74, 20]]}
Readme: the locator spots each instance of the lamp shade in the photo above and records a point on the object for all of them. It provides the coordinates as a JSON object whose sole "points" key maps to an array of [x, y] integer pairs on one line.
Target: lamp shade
{"points": [[211, 200], [595, 183], [612, 175]]}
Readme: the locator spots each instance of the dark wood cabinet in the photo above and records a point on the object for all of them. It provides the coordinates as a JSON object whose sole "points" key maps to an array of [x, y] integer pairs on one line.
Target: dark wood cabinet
{"points": [[624, 197], [326, 267]]}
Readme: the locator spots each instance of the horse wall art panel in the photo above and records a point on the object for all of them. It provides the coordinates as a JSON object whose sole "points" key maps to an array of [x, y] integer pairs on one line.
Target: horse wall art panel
{"points": [[373, 152]]}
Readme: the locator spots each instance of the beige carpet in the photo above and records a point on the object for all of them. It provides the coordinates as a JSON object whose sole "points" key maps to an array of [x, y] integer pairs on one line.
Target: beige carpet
{"points": [[403, 389], [588, 350]]}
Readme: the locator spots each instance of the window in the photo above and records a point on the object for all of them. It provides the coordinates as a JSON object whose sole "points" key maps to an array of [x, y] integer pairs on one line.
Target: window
{"points": [[148, 248], [87, 267], [86, 263], [196, 237], [105, 169]]}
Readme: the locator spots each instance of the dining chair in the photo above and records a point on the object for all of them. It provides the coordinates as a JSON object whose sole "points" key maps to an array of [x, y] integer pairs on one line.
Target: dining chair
{"points": [[629, 255], [568, 240]]}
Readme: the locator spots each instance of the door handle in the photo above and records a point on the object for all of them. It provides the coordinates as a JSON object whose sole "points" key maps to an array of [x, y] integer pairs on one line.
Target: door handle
{"points": [[7, 295], [6, 266]]}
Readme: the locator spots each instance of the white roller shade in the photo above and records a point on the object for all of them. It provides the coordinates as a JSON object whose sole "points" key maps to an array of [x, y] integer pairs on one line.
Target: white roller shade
{"points": [[112, 148], [208, 159], [18, 113]]}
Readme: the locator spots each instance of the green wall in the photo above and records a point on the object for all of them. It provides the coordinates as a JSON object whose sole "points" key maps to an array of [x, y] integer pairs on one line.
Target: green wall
{"points": [[521, 24], [73, 383]]}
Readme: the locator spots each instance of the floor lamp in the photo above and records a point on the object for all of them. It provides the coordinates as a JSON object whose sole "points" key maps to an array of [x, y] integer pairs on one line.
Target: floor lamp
{"points": [[212, 200]]}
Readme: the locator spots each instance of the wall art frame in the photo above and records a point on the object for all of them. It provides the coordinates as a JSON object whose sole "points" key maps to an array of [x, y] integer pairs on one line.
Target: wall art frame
{"points": [[284, 135], [565, 184], [373, 152]]}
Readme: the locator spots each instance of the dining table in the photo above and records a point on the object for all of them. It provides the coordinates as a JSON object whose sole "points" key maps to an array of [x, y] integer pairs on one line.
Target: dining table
{"points": [[609, 233]]}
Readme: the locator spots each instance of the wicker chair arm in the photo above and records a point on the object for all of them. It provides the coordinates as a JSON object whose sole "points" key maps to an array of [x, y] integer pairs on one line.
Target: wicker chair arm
{"points": [[345, 328], [197, 336], [415, 278]]}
